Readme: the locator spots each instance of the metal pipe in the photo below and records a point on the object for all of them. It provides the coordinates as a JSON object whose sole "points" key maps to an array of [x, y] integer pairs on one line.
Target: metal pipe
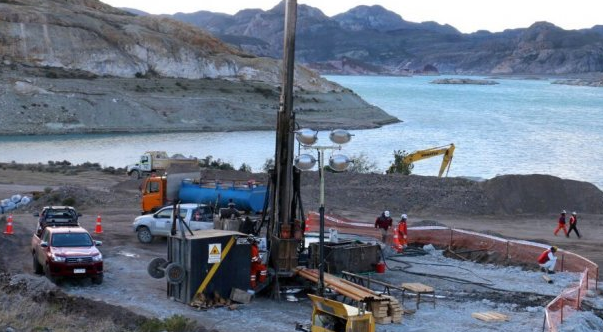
{"points": [[321, 235]]}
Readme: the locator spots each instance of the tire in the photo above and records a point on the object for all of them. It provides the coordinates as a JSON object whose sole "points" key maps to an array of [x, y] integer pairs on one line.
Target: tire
{"points": [[174, 273], [97, 280], [48, 275], [135, 174], [156, 268], [37, 267], [144, 234]]}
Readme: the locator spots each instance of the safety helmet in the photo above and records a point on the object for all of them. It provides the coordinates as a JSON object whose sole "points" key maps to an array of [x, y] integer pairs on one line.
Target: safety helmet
{"points": [[574, 213], [386, 213], [553, 248], [563, 212], [404, 216]]}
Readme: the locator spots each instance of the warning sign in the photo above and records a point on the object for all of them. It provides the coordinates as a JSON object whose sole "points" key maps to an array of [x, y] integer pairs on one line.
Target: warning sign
{"points": [[215, 253]]}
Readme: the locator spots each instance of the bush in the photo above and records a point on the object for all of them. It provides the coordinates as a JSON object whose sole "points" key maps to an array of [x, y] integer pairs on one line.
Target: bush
{"points": [[176, 323], [361, 164], [47, 190], [69, 201], [209, 162], [399, 166]]}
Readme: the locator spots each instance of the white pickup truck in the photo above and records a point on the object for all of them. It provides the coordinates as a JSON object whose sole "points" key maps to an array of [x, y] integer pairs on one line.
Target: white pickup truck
{"points": [[196, 216]]}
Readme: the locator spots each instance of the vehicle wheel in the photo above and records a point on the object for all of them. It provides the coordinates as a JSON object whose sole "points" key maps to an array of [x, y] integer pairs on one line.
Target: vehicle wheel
{"points": [[156, 268], [48, 275], [38, 268], [97, 280], [144, 235], [174, 273]]}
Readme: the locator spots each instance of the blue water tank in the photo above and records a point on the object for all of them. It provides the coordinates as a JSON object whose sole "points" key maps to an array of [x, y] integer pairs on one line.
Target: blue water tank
{"points": [[248, 198]]}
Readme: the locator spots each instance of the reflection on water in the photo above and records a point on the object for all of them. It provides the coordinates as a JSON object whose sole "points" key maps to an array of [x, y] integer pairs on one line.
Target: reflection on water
{"points": [[516, 127]]}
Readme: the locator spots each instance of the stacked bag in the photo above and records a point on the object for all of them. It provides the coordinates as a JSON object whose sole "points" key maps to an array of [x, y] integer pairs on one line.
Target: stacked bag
{"points": [[13, 203]]}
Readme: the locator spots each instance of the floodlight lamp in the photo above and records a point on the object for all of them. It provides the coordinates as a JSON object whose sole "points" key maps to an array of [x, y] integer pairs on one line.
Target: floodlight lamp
{"points": [[339, 162], [340, 136], [306, 136], [304, 162]]}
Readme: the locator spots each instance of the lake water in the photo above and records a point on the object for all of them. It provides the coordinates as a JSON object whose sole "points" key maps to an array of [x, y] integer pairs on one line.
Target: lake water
{"points": [[516, 127]]}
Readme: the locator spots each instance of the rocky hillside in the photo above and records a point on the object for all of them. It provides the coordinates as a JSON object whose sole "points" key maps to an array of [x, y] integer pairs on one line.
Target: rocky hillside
{"points": [[373, 40], [90, 36], [80, 66]]}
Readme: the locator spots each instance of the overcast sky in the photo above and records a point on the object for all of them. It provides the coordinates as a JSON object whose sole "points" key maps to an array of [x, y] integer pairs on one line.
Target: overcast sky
{"points": [[465, 15]]}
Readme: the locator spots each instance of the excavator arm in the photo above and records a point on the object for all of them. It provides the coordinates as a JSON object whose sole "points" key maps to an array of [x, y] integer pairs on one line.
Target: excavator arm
{"points": [[446, 150]]}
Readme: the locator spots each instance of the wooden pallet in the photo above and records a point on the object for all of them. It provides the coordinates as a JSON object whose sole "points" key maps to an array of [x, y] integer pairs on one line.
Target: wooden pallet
{"points": [[385, 309], [490, 316]]}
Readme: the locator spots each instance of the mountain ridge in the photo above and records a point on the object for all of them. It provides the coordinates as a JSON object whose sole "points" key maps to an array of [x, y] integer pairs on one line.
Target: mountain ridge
{"points": [[379, 41]]}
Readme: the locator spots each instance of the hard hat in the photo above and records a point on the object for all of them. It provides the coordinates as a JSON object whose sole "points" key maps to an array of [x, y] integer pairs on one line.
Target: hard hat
{"points": [[563, 212], [386, 213], [554, 248], [574, 213], [404, 216]]}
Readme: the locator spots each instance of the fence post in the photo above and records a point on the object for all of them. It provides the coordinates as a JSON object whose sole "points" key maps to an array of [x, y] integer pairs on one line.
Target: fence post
{"points": [[507, 253], [562, 261], [578, 299], [450, 243], [562, 305], [544, 321]]}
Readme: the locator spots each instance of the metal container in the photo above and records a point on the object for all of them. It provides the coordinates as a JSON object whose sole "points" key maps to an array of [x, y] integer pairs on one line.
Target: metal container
{"points": [[214, 262], [346, 256]]}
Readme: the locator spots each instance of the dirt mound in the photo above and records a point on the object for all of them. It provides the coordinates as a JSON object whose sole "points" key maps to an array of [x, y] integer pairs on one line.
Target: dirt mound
{"points": [[508, 194], [516, 194], [83, 198]]}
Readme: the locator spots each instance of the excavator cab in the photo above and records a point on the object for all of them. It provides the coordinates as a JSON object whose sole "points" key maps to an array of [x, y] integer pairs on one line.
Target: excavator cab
{"points": [[333, 316]]}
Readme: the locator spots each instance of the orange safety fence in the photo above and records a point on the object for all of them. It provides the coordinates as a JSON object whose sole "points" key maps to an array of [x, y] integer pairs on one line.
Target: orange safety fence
{"points": [[513, 251]]}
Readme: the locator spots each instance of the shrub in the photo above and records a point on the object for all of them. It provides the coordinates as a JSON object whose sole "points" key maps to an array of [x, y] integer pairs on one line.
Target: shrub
{"points": [[361, 164], [399, 166], [69, 201], [47, 190]]}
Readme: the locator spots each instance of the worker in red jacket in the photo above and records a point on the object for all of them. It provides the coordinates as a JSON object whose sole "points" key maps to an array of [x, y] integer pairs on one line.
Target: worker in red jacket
{"points": [[383, 223], [547, 260], [403, 231], [573, 221], [561, 224]]}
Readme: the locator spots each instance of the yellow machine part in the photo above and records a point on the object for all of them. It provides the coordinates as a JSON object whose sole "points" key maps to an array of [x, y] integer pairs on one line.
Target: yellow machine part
{"points": [[334, 316]]}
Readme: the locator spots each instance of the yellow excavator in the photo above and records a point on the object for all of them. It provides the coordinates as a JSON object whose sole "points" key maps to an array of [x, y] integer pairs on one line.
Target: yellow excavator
{"points": [[446, 150]]}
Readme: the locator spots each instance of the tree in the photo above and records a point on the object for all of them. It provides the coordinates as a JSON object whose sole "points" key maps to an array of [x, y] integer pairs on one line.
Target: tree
{"points": [[399, 166], [268, 165], [245, 168]]}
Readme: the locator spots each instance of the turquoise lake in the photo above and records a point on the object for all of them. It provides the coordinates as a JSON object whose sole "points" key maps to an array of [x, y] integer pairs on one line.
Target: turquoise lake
{"points": [[515, 127]]}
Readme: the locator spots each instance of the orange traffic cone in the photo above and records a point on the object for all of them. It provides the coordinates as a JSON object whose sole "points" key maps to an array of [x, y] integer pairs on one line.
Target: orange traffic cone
{"points": [[9, 225], [396, 242], [99, 227]]}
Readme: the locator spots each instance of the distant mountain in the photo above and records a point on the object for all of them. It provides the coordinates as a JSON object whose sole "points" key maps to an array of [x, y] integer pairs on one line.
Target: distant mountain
{"points": [[373, 40]]}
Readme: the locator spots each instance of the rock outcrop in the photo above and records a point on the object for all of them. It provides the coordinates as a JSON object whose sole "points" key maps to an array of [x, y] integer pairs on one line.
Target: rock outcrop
{"points": [[91, 36]]}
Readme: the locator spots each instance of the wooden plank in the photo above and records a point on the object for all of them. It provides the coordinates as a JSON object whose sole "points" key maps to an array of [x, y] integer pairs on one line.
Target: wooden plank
{"points": [[490, 316], [547, 279]]}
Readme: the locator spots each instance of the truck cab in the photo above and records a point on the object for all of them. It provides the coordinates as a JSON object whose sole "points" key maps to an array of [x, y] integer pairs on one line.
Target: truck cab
{"points": [[68, 251], [159, 224]]}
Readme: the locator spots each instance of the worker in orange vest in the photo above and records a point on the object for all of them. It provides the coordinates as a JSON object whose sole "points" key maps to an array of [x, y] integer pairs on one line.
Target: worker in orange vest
{"points": [[547, 260], [259, 272], [561, 224], [403, 231], [573, 221]]}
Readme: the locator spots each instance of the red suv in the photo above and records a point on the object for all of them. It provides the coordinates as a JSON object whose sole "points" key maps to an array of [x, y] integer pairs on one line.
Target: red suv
{"points": [[67, 252]]}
